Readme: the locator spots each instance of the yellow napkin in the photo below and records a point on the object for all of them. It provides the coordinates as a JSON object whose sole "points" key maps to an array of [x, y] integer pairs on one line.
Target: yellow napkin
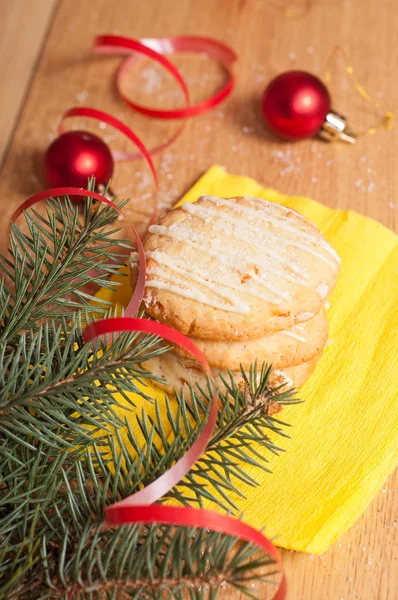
{"points": [[344, 437]]}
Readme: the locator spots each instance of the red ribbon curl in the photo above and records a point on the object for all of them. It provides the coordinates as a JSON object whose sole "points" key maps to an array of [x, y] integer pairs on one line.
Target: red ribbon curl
{"points": [[139, 508]]}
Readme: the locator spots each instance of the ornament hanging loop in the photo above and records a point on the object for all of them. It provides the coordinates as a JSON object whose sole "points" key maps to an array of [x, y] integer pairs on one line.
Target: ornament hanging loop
{"points": [[335, 128], [388, 116]]}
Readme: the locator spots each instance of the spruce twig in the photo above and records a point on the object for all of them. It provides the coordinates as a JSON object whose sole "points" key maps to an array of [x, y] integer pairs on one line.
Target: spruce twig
{"points": [[66, 452]]}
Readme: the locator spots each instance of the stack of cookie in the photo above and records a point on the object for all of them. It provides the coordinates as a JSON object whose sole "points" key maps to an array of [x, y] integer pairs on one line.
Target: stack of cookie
{"points": [[247, 280]]}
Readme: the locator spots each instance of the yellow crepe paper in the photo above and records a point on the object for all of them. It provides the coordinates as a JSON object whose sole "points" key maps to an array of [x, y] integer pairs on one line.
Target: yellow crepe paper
{"points": [[344, 437]]}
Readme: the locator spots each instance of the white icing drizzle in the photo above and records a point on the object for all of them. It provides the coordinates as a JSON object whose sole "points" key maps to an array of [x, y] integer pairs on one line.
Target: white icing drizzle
{"points": [[305, 316], [322, 289], [204, 212], [279, 223], [182, 235], [288, 380], [245, 267], [291, 334], [202, 278], [194, 274]]}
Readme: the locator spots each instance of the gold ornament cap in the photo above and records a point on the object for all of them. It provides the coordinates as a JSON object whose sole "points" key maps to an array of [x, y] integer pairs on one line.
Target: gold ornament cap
{"points": [[335, 128]]}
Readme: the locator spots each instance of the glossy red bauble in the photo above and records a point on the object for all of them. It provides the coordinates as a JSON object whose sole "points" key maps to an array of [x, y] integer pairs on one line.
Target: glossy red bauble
{"points": [[74, 157], [295, 105]]}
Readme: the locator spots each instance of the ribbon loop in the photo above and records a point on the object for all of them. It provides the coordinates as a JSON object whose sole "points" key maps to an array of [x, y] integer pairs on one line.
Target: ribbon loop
{"points": [[387, 118], [156, 49]]}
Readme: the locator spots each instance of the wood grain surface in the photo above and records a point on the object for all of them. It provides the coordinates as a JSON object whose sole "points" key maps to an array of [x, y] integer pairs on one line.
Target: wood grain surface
{"points": [[24, 26], [364, 177]]}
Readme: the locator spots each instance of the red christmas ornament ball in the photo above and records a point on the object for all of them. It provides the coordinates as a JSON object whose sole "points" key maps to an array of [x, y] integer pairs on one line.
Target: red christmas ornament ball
{"points": [[295, 105], [74, 157]]}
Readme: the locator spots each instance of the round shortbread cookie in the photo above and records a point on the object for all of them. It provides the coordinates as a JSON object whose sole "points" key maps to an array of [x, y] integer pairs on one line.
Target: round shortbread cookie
{"points": [[178, 372], [281, 349], [235, 269]]}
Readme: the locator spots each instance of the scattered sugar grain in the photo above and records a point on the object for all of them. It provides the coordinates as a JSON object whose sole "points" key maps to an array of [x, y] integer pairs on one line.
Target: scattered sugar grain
{"points": [[81, 96], [292, 56]]}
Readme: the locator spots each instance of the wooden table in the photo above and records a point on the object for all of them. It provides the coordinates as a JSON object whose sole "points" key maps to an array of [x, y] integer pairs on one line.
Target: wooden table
{"points": [[46, 66]]}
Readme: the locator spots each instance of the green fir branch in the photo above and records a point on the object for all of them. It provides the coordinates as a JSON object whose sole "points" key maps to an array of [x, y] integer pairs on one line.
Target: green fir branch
{"points": [[50, 266], [63, 458]]}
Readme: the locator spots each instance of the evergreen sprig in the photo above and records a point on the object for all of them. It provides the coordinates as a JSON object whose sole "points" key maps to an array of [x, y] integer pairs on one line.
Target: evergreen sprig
{"points": [[63, 457]]}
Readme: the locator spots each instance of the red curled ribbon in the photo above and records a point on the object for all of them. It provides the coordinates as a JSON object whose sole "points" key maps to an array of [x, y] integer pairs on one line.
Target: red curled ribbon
{"points": [[158, 488], [156, 49], [100, 115], [138, 508], [204, 519], [135, 508]]}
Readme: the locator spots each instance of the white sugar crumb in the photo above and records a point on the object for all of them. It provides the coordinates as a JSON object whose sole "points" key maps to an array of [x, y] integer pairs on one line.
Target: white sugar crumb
{"points": [[292, 55], [153, 79], [310, 49], [81, 96], [392, 205], [322, 289]]}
